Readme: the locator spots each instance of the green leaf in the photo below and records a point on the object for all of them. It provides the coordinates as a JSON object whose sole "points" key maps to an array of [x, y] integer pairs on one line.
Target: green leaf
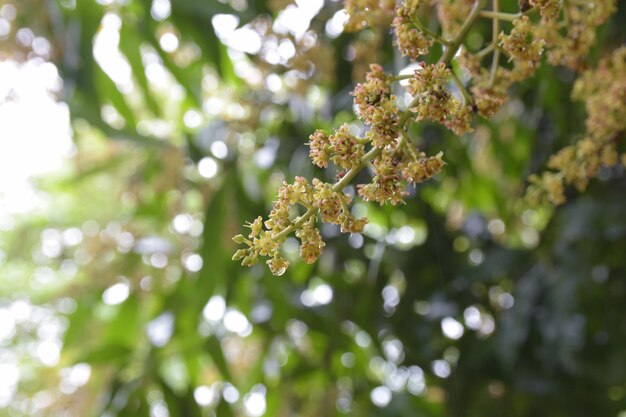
{"points": [[187, 79], [214, 348], [179, 404], [108, 91], [84, 108], [196, 18], [214, 239], [108, 354], [125, 328], [130, 47]]}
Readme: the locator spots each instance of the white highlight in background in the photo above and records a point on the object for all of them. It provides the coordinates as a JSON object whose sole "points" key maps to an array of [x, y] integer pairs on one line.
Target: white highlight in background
{"points": [[36, 134]]}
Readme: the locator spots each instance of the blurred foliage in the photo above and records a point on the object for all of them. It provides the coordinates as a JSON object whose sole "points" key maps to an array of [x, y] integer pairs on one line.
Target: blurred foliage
{"points": [[465, 301]]}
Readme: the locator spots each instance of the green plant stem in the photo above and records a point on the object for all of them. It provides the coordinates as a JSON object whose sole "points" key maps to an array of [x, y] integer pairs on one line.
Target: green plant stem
{"points": [[401, 77], [344, 204], [467, 99], [345, 180], [455, 44], [405, 141], [301, 220], [509, 17], [429, 32], [494, 41], [485, 51], [494, 14], [566, 16]]}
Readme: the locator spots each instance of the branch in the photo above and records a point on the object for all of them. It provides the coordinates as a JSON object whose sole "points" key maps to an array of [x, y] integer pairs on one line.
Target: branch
{"points": [[495, 14], [494, 41], [455, 44]]}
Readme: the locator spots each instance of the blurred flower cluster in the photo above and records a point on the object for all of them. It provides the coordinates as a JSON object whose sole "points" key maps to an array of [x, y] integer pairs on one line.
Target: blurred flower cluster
{"points": [[603, 90]]}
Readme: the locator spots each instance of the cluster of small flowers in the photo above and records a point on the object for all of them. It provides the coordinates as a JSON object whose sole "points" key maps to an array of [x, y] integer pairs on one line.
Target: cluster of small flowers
{"points": [[386, 186], [266, 242], [435, 102], [547, 186], [342, 148], [333, 208], [260, 242], [488, 97], [392, 167], [452, 13], [395, 165], [410, 39], [377, 108], [317, 198], [423, 167], [367, 47], [568, 44], [489, 87], [550, 10], [566, 41], [364, 13], [311, 245], [488, 93], [312, 64], [370, 20], [604, 92], [316, 62], [523, 48]]}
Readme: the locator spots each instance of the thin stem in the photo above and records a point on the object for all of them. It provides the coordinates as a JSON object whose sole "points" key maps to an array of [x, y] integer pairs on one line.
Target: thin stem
{"points": [[495, 14], [305, 205], [401, 77], [486, 51], [408, 145], [338, 187], [344, 204], [494, 41], [455, 44], [345, 180], [566, 11], [429, 32], [490, 14], [301, 220], [494, 67], [467, 99]]}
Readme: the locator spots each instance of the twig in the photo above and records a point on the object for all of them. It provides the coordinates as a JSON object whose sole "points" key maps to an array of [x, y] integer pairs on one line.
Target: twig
{"points": [[494, 41]]}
